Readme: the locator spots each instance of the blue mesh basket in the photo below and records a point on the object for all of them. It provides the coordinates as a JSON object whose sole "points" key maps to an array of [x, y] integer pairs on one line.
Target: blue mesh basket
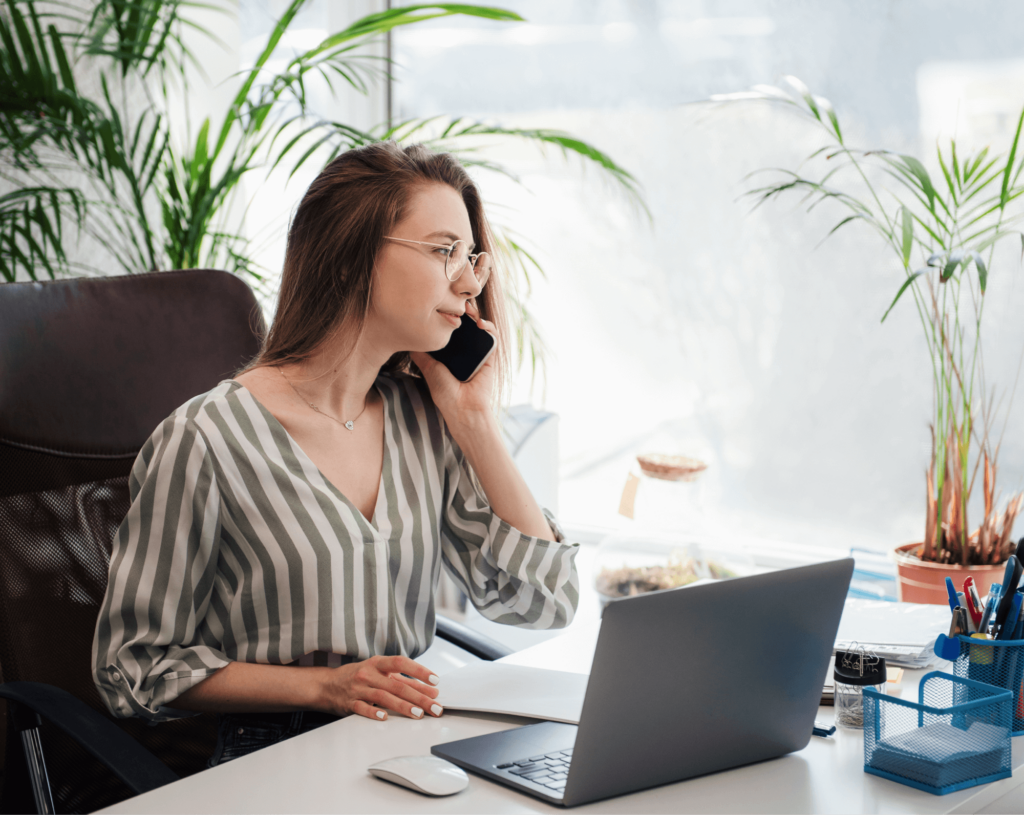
{"points": [[995, 662], [956, 735]]}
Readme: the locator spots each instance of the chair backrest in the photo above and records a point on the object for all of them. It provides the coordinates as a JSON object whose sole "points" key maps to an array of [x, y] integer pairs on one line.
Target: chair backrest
{"points": [[88, 368]]}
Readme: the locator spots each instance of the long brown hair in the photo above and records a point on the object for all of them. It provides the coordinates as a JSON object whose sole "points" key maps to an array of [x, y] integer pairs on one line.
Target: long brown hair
{"points": [[335, 237]]}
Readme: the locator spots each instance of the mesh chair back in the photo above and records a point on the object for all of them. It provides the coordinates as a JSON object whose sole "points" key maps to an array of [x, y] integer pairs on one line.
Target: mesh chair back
{"points": [[88, 369]]}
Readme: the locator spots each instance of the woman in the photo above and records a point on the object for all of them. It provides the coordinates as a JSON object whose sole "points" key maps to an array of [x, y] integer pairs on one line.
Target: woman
{"points": [[287, 529]]}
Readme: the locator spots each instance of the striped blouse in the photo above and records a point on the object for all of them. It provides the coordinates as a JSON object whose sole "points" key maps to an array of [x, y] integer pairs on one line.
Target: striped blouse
{"points": [[236, 548]]}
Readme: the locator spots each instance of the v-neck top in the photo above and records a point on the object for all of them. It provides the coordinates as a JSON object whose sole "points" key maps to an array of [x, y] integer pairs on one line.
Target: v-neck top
{"points": [[237, 548]]}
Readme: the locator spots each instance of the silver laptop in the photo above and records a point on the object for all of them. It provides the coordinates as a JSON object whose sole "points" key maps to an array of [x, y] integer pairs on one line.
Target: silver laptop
{"points": [[684, 682]]}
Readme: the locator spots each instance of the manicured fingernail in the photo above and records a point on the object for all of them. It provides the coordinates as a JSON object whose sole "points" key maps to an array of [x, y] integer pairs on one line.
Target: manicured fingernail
{"points": [[417, 712], [437, 710], [381, 714], [434, 679]]}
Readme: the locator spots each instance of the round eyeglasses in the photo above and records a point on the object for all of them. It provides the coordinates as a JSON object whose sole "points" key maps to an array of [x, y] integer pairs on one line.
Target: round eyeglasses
{"points": [[456, 257]]}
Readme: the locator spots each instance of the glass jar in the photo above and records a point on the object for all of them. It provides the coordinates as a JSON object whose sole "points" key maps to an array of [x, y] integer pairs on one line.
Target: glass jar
{"points": [[669, 506], [854, 671], [630, 564]]}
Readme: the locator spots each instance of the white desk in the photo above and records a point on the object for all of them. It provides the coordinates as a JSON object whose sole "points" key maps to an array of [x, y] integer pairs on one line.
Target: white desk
{"points": [[325, 770]]}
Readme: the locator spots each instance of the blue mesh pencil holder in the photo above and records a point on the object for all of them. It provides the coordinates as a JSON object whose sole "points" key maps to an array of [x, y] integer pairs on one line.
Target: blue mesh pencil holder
{"points": [[994, 662], [956, 735]]}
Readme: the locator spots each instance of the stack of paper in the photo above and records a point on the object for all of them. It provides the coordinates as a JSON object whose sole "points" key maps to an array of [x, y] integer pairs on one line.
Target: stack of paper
{"points": [[940, 755], [515, 690], [902, 633]]}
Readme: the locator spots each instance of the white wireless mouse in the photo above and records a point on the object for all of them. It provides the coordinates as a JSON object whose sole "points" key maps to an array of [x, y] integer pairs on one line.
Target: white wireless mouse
{"points": [[427, 774]]}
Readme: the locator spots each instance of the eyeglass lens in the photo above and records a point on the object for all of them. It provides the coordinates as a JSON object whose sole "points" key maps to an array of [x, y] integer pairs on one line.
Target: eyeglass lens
{"points": [[459, 256]]}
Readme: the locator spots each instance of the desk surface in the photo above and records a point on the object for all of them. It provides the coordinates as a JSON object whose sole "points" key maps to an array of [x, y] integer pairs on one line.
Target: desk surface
{"points": [[325, 770]]}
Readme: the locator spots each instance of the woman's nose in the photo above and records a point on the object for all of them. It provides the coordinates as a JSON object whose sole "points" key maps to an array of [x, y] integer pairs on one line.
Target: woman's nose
{"points": [[467, 283]]}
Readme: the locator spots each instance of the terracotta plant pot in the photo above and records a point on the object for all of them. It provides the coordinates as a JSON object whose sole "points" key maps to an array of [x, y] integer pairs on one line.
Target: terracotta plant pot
{"points": [[918, 581]]}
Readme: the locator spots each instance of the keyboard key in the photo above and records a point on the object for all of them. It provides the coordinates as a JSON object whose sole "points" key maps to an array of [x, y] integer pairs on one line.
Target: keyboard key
{"points": [[523, 761], [529, 768], [559, 776], [506, 766], [556, 754], [535, 775], [568, 752], [559, 786], [538, 758]]}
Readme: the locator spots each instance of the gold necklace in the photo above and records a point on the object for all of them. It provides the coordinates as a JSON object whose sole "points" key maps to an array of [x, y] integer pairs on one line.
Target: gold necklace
{"points": [[349, 425]]}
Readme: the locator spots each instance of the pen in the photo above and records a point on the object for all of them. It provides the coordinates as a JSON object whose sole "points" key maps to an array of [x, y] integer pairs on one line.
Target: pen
{"points": [[1009, 626], [974, 606], [959, 624], [1010, 579], [964, 604], [990, 606], [951, 591]]}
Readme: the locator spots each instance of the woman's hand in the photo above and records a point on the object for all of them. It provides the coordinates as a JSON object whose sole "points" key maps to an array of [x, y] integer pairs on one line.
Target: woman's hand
{"points": [[464, 405], [374, 686]]}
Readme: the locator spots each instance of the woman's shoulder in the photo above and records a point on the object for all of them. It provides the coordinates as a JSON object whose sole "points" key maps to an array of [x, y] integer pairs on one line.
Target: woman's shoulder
{"points": [[195, 415]]}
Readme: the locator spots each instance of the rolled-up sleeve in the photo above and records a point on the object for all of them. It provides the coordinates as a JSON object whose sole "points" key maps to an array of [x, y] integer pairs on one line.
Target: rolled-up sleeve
{"points": [[149, 644], [512, 578]]}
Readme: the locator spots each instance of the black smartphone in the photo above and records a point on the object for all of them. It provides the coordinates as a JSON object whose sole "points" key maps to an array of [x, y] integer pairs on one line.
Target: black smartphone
{"points": [[467, 350]]}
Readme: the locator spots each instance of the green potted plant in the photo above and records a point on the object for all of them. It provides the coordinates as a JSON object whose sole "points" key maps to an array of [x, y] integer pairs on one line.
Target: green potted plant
{"points": [[944, 233], [99, 157]]}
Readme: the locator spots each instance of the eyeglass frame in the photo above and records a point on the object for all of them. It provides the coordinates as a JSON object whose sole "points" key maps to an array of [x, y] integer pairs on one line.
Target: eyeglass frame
{"points": [[470, 257]]}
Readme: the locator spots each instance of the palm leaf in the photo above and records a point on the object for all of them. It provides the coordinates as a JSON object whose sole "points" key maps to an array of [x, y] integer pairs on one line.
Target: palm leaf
{"points": [[31, 230]]}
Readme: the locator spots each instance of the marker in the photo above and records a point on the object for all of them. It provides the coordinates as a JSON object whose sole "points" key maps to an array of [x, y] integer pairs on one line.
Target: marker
{"points": [[954, 601]]}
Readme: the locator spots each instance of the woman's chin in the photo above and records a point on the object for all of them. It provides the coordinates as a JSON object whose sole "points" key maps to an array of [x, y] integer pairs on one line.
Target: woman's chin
{"points": [[441, 339], [433, 344]]}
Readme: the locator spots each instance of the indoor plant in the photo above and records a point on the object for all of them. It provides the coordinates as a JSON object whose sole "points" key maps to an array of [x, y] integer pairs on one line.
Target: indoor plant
{"points": [[86, 90], [944, 236]]}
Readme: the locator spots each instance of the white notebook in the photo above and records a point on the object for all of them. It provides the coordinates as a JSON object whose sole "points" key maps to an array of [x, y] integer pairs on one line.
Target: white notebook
{"points": [[515, 690]]}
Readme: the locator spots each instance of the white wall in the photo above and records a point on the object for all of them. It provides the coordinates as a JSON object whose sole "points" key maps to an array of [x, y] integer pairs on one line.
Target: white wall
{"points": [[720, 332]]}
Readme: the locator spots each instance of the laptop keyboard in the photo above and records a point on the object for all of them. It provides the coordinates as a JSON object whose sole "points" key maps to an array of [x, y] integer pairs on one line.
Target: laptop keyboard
{"points": [[549, 770]]}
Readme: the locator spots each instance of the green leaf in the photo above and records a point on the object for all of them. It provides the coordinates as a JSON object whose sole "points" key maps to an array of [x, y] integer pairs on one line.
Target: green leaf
{"points": [[919, 172], [950, 184], [954, 260], [1004, 191], [805, 94], [906, 284], [908, 234], [982, 270], [840, 225], [968, 172], [568, 144], [201, 153]]}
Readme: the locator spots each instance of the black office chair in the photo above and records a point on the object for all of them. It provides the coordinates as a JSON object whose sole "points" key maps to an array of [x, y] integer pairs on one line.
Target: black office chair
{"points": [[88, 368]]}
